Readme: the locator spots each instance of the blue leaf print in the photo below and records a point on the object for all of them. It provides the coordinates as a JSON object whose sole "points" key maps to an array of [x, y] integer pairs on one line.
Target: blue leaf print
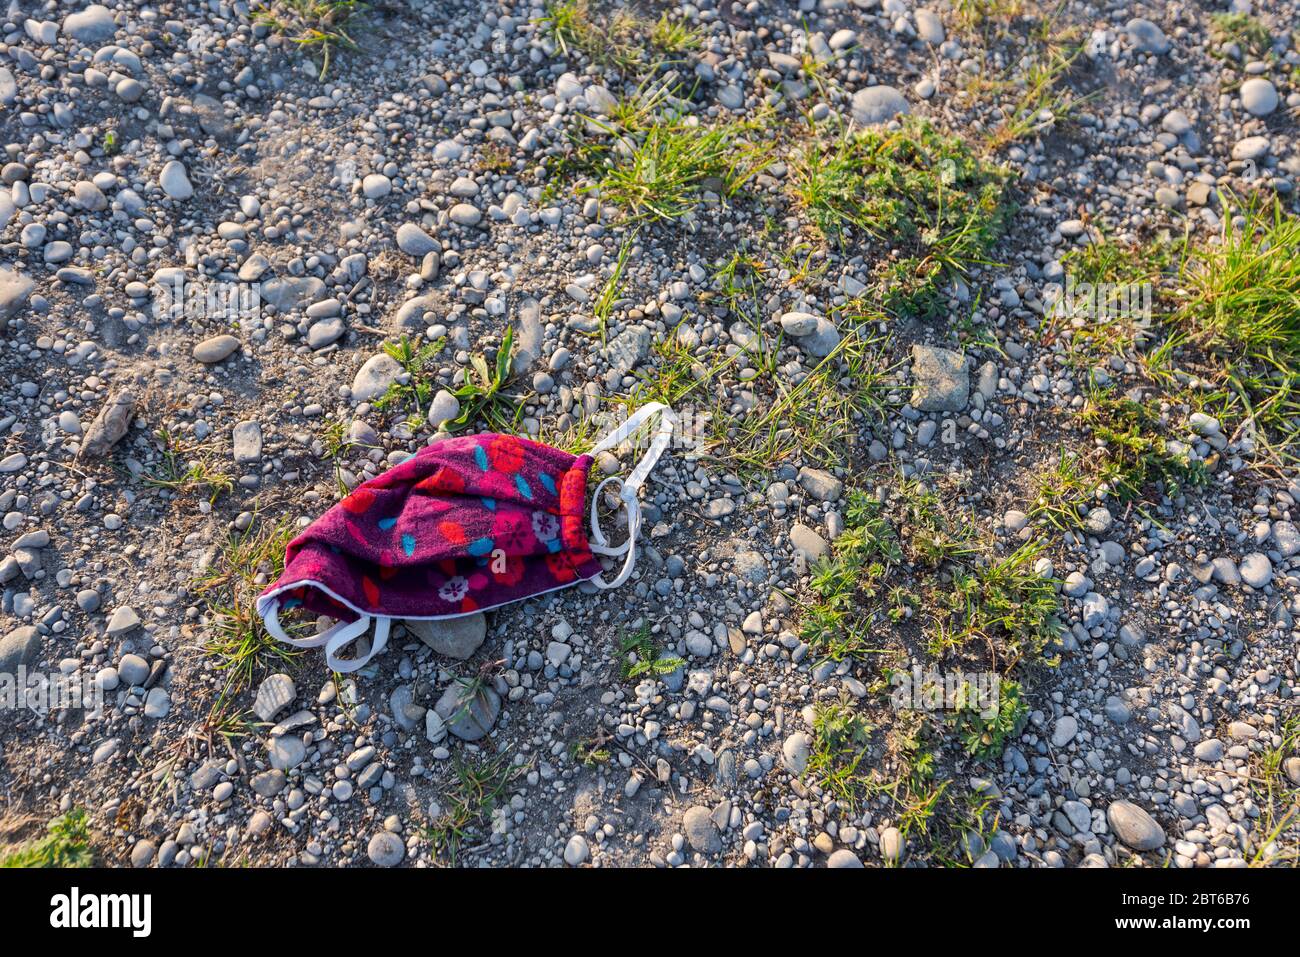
{"points": [[481, 546], [408, 544], [522, 485]]}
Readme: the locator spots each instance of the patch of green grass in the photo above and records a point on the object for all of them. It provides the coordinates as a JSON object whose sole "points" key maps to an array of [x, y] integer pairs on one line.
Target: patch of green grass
{"points": [[819, 411], [1040, 96], [639, 655], [480, 785], [972, 15], [1002, 605], [1133, 452], [1062, 490], [417, 390], [817, 415], [1242, 29], [590, 752], [840, 743], [930, 535], [1226, 312], [1244, 290], [571, 26], [985, 731], [922, 194], [321, 27], [238, 640], [1131, 455], [659, 167], [913, 789], [675, 36], [67, 844], [998, 603], [337, 443], [849, 579], [1278, 800], [1107, 303], [482, 394], [609, 292], [621, 39], [187, 470]]}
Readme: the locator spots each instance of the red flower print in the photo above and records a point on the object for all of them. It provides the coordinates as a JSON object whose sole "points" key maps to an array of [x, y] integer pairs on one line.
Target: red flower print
{"points": [[506, 453], [358, 501], [513, 533], [513, 573], [443, 480], [561, 567], [453, 532]]}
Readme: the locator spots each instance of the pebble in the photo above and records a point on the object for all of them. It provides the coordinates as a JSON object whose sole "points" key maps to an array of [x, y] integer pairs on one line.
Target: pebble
{"points": [[174, 180], [414, 241], [274, 694], [942, 380], [376, 186], [1134, 826], [456, 638], [1256, 570], [374, 377], [386, 849], [878, 104], [1147, 36], [216, 349], [1066, 728], [1258, 96], [576, 851], [700, 830]]}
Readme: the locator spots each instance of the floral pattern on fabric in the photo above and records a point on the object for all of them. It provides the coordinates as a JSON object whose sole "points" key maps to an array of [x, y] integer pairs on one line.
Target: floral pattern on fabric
{"points": [[465, 524]]}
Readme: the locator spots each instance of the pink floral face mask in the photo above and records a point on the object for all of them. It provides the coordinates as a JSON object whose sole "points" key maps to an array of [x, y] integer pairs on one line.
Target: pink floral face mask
{"points": [[464, 525]]}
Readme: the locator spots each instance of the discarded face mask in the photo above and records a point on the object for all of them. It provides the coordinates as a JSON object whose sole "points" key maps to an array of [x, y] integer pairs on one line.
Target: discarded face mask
{"points": [[464, 525]]}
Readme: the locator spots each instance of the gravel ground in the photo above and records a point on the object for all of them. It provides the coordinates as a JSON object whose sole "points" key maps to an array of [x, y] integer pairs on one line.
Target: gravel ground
{"points": [[442, 180]]}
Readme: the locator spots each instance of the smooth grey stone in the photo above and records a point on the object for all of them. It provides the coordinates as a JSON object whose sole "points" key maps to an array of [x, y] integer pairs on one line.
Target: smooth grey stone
{"points": [[469, 716], [214, 350], [877, 104], [19, 648], [844, 858], [373, 379], [175, 182], [701, 832], [386, 849], [1134, 826], [456, 637]]}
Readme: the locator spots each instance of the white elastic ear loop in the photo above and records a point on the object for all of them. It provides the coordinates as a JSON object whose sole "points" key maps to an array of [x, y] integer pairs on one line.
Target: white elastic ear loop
{"points": [[630, 486], [633, 529], [333, 638], [350, 633], [600, 544], [272, 621]]}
